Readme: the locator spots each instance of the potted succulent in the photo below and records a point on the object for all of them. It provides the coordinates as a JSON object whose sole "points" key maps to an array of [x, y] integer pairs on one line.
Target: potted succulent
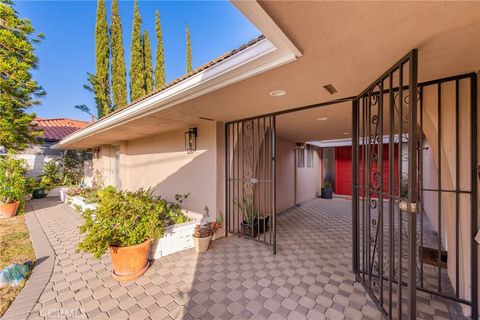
{"points": [[250, 227], [202, 235], [124, 223], [13, 185], [327, 190]]}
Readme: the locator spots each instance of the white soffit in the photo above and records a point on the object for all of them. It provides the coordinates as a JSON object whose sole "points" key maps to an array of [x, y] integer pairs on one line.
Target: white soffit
{"points": [[273, 51]]}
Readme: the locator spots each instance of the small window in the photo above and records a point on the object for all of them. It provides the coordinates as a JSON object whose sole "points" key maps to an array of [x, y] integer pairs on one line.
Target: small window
{"points": [[309, 156], [300, 150]]}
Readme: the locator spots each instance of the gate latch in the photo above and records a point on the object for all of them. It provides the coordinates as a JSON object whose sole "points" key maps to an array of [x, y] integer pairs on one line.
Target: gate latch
{"points": [[409, 207]]}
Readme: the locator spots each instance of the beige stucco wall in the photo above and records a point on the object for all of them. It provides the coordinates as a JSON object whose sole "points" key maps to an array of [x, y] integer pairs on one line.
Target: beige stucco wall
{"points": [[309, 179], [285, 167], [448, 166], [161, 163], [295, 185]]}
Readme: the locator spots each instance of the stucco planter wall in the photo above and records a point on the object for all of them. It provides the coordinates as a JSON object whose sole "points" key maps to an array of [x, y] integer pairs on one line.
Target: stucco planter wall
{"points": [[176, 238]]}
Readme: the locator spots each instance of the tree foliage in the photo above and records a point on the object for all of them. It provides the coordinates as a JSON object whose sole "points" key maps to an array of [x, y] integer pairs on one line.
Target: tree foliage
{"points": [[189, 49], [119, 73], [159, 54], [137, 63], [18, 90], [102, 58], [147, 56]]}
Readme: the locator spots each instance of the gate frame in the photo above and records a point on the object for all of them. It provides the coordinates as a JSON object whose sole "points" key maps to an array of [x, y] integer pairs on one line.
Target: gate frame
{"points": [[355, 132]]}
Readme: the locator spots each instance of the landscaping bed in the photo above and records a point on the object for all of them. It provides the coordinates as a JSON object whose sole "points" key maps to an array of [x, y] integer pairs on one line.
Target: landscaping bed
{"points": [[15, 247], [176, 237]]}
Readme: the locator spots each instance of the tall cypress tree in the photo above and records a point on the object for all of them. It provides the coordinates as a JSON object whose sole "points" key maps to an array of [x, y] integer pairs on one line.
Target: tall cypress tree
{"points": [[189, 49], [102, 58], [119, 71], [137, 64], [159, 57], [147, 56]]}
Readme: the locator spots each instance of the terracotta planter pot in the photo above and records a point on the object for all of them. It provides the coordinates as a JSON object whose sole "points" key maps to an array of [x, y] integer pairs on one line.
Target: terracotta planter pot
{"points": [[131, 262], [9, 210], [201, 244]]}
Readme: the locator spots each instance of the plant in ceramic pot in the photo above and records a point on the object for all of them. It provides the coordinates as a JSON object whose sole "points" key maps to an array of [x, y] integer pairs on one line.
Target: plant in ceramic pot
{"points": [[202, 235], [13, 185], [124, 223], [327, 190]]}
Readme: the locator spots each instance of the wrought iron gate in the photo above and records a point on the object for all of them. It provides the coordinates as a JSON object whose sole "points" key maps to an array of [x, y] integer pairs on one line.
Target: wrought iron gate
{"points": [[250, 179], [392, 232]]}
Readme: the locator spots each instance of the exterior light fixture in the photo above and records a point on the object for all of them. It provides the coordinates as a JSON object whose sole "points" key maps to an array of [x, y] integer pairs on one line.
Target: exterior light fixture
{"points": [[278, 93], [191, 140], [322, 118]]}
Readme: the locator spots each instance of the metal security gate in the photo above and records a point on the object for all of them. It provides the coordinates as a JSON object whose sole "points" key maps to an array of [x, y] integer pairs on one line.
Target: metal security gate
{"points": [[250, 179], [393, 216]]}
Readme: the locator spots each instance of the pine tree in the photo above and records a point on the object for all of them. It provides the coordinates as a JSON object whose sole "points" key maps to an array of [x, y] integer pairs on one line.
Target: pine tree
{"points": [[19, 90], [147, 57], [159, 57], [137, 65], [189, 49], [102, 58], [119, 73]]}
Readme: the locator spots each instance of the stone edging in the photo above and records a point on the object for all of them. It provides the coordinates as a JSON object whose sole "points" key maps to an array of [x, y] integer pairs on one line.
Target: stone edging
{"points": [[45, 258]]}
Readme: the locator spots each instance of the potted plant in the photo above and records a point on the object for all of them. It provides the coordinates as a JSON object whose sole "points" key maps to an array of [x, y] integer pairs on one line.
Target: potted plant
{"points": [[264, 223], [250, 226], [35, 188], [202, 235], [125, 223], [327, 190], [12, 185]]}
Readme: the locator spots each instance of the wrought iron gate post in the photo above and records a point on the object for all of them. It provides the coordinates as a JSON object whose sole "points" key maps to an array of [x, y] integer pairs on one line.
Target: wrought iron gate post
{"points": [[474, 190], [412, 186], [355, 223]]}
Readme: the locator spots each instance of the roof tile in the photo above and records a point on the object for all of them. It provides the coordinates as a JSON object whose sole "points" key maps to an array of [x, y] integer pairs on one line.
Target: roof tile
{"points": [[58, 128]]}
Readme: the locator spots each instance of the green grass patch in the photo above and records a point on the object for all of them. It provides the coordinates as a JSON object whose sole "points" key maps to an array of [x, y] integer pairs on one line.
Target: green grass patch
{"points": [[15, 247]]}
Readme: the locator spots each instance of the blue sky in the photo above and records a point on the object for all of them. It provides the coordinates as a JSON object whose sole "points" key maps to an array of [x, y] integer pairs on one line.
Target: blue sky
{"points": [[68, 52]]}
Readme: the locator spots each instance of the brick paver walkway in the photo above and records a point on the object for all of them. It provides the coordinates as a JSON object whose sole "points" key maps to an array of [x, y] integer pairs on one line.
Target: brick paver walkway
{"points": [[309, 277]]}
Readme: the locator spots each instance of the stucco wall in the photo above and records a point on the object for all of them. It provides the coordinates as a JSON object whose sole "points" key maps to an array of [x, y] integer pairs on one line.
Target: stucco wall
{"points": [[309, 179], [448, 166], [285, 174], [161, 163]]}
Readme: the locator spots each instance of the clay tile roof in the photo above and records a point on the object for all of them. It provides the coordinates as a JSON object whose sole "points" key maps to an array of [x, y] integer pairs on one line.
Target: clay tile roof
{"points": [[191, 73], [57, 128]]}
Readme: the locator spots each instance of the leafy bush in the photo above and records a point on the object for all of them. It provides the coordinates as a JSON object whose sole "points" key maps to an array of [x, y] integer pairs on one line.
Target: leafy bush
{"points": [[327, 185], [89, 194], [13, 184], [124, 218]]}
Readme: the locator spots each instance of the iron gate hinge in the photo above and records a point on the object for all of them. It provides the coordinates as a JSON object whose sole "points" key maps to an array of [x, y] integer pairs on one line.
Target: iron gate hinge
{"points": [[408, 207]]}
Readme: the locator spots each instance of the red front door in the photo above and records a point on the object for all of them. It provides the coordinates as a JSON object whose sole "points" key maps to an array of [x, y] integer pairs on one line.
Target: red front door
{"points": [[343, 169]]}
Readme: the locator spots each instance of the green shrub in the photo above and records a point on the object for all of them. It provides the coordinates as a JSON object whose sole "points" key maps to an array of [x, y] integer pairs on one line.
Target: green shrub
{"points": [[125, 219], [89, 194], [13, 184]]}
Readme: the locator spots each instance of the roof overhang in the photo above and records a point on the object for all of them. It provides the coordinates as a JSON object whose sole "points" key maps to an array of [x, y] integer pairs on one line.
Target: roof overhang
{"points": [[346, 44], [271, 52]]}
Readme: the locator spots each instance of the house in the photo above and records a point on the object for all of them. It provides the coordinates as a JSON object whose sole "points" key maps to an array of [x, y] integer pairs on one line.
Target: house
{"points": [[54, 130], [396, 80]]}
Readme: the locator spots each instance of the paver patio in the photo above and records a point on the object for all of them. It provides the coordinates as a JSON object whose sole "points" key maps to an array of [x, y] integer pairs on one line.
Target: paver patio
{"points": [[310, 277]]}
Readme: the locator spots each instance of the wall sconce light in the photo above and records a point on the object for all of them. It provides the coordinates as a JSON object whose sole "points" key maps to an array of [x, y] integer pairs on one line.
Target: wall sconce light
{"points": [[191, 140]]}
